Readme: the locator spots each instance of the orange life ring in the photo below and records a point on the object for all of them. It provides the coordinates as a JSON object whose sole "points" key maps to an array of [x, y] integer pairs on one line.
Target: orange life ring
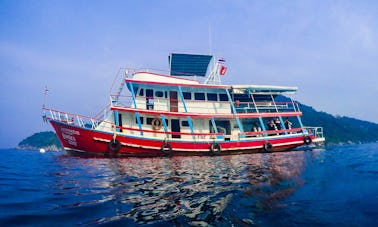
{"points": [[156, 123]]}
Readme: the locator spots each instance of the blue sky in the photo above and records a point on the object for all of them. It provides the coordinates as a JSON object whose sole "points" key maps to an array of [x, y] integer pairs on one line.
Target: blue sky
{"points": [[329, 49]]}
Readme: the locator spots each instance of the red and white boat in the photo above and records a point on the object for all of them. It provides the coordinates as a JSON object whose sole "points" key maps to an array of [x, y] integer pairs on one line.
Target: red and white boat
{"points": [[161, 115]]}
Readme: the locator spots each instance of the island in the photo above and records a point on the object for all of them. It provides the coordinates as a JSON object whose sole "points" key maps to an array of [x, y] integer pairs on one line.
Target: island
{"points": [[42, 140]]}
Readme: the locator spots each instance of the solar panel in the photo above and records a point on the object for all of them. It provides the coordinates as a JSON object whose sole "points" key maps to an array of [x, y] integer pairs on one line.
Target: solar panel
{"points": [[188, 64]]}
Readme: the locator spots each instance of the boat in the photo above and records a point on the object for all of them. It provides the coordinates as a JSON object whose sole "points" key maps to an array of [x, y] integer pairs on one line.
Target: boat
{"points": [[186, 111]]}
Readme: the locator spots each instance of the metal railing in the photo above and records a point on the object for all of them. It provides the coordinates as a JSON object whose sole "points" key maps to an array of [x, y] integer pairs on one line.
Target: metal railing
{"points": [[316, 131], [93, 123], [72, 119], [251, 107]]}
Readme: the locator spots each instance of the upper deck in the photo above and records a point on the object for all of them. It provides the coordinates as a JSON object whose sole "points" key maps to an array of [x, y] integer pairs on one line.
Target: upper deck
{"points": [[157, 92]]}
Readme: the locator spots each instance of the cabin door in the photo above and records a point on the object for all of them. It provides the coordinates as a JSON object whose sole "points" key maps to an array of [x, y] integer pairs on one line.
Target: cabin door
{"points": [[173, 101], [175, 127]]}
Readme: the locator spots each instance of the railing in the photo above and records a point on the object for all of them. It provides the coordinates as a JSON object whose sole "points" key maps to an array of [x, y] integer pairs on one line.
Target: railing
{"points": [[73, 119], [273, 132], [164, 104], [316, 131], [250, 107], [93, 123]]}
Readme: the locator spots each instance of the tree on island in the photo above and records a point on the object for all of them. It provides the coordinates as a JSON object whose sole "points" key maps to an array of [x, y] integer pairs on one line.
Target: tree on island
{"points": [[46, 140]]}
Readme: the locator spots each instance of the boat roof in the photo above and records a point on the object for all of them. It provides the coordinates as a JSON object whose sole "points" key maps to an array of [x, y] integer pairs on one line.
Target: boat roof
{"points": [[150, 78], [264, 89]]}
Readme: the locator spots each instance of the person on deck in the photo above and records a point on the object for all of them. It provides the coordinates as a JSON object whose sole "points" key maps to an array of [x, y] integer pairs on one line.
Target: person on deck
{"points": [[256, 128], [288, 124], [277, 122], [271, 125]]}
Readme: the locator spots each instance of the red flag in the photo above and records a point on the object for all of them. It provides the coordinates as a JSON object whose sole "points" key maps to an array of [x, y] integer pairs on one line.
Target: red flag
{"points": [[222, 70]]}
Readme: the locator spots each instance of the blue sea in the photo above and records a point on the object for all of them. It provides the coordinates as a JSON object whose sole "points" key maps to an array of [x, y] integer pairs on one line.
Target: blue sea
{"points": [[334, 186]]}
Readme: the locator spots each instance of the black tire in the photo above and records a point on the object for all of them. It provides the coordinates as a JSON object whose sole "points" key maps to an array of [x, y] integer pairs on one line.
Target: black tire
{"points": [[166, 148], [215, 148], [268, 147], [307, 140], [114, 146]]}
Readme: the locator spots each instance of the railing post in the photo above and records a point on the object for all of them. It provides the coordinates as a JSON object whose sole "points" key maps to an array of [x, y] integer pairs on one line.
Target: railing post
{"points": [[253, 100], [282, 124], [215, 127], [130, 85], [274, 102], [186, 110], [137, 115], [300, 123], [263, 126], [116, 120], [234, 112], [164, 125]]}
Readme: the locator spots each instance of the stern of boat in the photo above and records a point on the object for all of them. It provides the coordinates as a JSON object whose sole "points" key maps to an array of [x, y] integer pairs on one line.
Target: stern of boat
{"points": [[317, 135]]}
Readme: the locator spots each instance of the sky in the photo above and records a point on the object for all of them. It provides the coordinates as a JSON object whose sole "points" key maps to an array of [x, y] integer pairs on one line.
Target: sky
{"points": [[328, 49]]}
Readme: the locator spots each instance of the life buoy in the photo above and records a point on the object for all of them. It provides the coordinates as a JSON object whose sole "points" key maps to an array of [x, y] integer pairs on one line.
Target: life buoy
{"points": [[268, 147], [215, 148], [307, 140], [166, 148], [114, 145], [156, 123]]}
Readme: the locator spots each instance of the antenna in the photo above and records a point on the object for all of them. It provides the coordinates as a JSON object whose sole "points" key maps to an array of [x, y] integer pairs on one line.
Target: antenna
{"points": [[44, 97], [44, 105], [210, 41]]}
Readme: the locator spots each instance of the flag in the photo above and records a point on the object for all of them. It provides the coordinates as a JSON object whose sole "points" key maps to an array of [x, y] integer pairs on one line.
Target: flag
{"points": [[222, 70], [221, 61]]}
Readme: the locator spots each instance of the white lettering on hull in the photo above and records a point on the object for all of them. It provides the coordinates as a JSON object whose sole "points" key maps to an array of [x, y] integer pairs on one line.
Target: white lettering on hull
{"points": [[69, 135]]}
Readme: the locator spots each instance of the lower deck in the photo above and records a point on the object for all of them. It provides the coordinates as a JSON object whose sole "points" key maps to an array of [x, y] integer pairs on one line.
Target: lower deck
{"points": [[201, 129]]}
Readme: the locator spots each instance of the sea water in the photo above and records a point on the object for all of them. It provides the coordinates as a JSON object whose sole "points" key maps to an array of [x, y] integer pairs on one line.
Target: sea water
{"points": [[335, 186]]}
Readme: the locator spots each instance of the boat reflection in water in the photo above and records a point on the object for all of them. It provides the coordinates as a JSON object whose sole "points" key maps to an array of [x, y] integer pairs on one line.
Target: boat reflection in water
{"points": [[177, 190]]}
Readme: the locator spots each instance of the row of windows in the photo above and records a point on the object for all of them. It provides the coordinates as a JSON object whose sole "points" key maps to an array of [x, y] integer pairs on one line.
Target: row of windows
{"points": [[205, 96], [186, 95], [150, 93], [149, 121]]}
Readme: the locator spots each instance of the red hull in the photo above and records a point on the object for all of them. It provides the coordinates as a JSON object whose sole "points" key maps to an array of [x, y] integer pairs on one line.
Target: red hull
{"points": [[82, 141]]}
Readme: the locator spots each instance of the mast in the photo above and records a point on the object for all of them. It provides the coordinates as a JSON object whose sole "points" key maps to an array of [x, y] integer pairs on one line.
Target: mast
{"points": [[218, 70]]}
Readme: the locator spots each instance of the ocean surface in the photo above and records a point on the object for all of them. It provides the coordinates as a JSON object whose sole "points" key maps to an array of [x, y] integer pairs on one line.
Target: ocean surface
{"points": [[334, 186]]}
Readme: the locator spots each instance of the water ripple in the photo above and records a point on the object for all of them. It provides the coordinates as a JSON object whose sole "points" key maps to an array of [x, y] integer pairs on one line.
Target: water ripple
{"points": [[241, 190]]}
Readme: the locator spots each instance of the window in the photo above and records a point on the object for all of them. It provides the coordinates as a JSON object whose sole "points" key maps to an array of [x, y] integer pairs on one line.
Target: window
{"points": [[149, 93], [187, 95], [199, 96], [141, 92], [212, 97], [185, 123], [159, 94], [141, 120], [223, 97]]}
